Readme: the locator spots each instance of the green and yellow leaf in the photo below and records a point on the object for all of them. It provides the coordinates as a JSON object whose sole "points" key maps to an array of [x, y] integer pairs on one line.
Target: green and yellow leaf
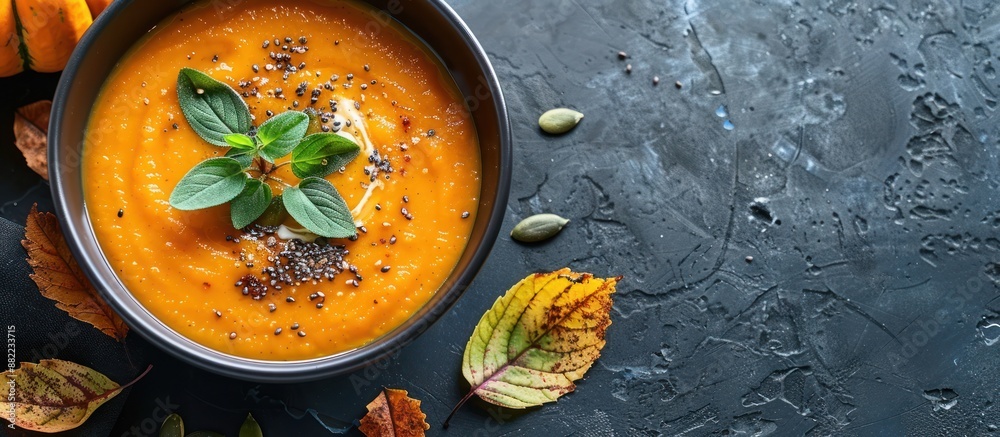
{"points": [[55, 395], [539, 338]]}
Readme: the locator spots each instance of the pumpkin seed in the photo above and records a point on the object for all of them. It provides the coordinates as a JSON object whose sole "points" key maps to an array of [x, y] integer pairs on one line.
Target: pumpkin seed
{"points": [[559, 120], [538, 228], [173, 426], [250, 428]]}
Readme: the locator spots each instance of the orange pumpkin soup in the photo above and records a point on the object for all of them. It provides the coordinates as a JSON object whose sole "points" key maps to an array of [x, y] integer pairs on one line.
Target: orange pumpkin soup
{"points": [[259, 292]]}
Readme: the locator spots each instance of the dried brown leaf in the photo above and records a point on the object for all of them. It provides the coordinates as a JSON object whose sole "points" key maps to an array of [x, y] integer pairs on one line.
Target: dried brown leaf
{"points": [[31, 127], [59, 277], [394, 414]]}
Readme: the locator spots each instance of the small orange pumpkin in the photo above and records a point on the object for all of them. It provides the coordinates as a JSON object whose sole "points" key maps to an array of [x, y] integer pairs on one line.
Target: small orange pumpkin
{"points": [[41, 34]]}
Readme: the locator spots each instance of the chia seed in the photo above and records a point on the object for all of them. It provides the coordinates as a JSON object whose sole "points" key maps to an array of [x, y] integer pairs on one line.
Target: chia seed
{"points": [[252, 286], [300, 262], [302, 333], [121, 212], [385, 269], [232, 336], [277, 331], [295, 326], [272, 307], [465, 214]]}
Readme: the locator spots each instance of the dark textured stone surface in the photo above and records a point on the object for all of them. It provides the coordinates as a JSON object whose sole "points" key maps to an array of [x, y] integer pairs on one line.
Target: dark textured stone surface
{"points": [[860, 176]]}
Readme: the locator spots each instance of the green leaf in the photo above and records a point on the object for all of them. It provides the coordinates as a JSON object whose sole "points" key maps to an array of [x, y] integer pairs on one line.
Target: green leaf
{"points": [[250, 428], [244, 157], [212, 182], [250, 204], [281, 134], [321, 154], [213, 108], [275, 214], [317, 205], [240, 141]]}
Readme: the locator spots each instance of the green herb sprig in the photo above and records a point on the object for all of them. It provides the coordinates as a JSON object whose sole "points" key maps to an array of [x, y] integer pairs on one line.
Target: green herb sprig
{"points": [[219, 116]]}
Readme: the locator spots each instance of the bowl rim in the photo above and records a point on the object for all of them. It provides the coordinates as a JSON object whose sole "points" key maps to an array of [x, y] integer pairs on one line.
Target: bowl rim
{"points": [[152, 329]]}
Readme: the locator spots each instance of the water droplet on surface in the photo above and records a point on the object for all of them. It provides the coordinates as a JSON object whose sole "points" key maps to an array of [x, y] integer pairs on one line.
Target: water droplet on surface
{"points": [[989, 330], [728, 125], [721, 111]]}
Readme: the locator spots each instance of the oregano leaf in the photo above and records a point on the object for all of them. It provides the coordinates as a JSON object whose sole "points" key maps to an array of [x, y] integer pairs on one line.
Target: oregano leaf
{"points": [[212, 108], [240, 141], [243, 156], [321, 154], [250, 204], [317, 206], [212, 182], [281, 134]]}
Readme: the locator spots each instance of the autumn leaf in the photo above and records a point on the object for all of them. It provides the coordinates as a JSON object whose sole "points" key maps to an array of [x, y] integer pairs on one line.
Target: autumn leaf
{"points": [[55, 395], [31, 127], [538, 338], [59, 277], [394, 414]]}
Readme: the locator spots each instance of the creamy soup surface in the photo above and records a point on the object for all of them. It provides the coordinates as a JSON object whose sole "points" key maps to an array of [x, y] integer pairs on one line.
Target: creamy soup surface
{"points": [[414, 189]]}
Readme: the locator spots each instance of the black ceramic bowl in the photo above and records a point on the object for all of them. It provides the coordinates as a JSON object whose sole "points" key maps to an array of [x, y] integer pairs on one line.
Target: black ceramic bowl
{"points": [[128, 20]]}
